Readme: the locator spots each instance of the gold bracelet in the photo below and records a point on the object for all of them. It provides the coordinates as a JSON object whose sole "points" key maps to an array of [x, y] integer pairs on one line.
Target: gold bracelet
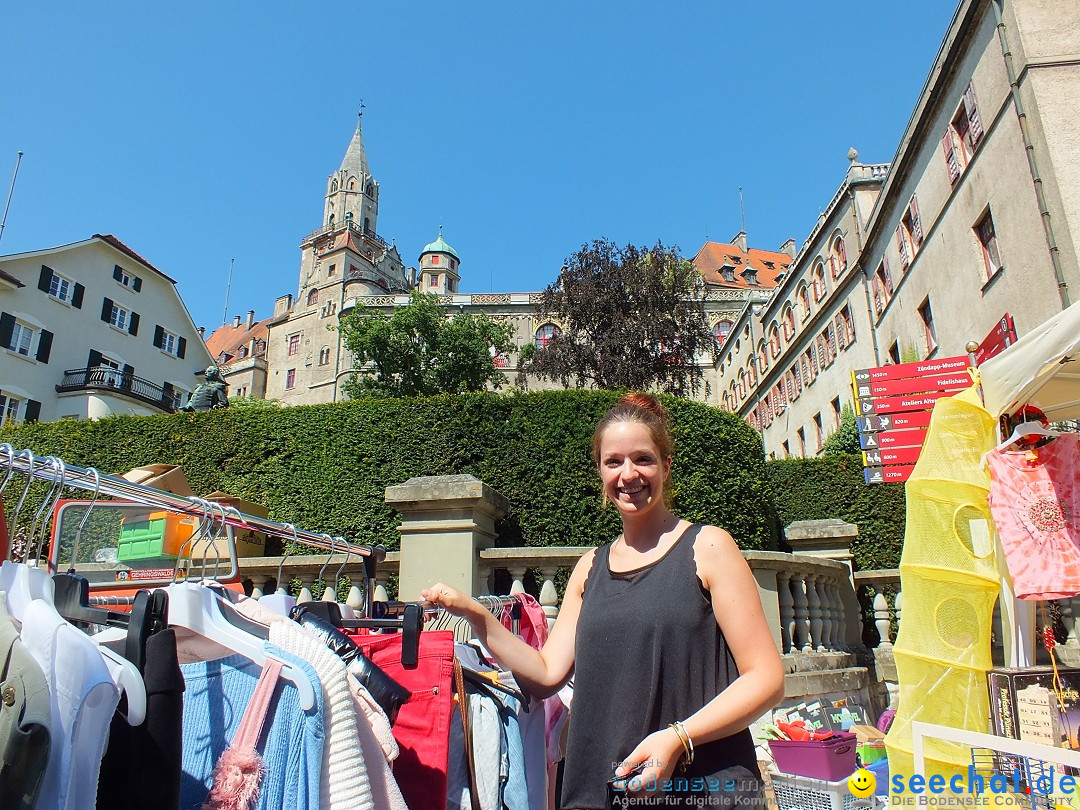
{"points": [[687, 743]]}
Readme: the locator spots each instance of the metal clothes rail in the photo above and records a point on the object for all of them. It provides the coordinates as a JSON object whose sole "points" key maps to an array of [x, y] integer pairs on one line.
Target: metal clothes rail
{"points": [[90, 480]]}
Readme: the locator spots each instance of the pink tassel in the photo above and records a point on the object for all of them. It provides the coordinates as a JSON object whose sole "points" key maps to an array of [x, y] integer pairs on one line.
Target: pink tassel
{"points": [[236, 780]]}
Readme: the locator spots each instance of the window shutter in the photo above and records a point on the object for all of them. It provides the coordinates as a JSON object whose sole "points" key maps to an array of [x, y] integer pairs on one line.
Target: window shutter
{"points": [[901, 245], [33, 410], [118, 273], [106, 309], [127, 379], [167, 393], [159, 336], [7, 326], [77, 296], [94, 360], [133, 324], [44, 346], [136, 284], [45, 279], [916, 223], [948, 143], [181, 347], [974, 122]]}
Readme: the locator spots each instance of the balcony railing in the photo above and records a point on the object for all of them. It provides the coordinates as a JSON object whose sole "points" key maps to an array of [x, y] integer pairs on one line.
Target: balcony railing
{"points": [[353, 226], [102, 378]]}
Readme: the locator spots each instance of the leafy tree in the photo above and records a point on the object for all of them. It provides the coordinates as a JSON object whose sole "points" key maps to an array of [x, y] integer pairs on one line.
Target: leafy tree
{"points": [[419, 351], [846, 438], [627, 318]]}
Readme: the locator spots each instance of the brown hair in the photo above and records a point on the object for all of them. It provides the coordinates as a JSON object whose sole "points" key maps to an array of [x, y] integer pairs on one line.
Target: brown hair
{"points": [[644, 409]]}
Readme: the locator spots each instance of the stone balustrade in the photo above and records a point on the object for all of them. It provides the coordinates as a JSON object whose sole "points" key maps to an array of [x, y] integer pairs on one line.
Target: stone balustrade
{"points": [[314, 572], [881, 582]]}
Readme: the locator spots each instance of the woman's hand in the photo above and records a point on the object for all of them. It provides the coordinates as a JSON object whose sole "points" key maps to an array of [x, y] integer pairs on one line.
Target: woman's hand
{"points": [[451, 600], [660, 752]]}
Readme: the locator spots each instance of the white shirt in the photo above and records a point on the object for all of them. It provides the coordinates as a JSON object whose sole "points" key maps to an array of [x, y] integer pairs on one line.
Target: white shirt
{"points": [[83, 699]]}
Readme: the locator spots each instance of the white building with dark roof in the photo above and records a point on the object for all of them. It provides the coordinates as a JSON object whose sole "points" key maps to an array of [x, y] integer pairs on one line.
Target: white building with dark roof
{"points": [[91, 329]]}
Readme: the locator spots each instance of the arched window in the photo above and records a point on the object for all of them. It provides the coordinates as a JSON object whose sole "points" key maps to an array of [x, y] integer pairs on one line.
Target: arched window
{"points": [[774, 341], [727, 402], [313, 298], [762, 356], [720, 332], [545, 334], [838, 257], [819, 282], [371, 190], [751, 374], [324, 356], [333, 186], [367, 224], [788, 320], [742, 385], [352, 184], [803, 296], [330, 220]]}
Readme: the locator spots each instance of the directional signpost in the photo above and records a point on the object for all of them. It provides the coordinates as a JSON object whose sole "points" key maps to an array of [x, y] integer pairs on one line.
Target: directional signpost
{"points": [[893, 405], [1001, 337]]}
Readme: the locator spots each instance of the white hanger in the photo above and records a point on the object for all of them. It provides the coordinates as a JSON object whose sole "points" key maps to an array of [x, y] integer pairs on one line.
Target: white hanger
{"points": [[280, 601], [30, 582], [198, 609], [1025, 429], [129, 681]]}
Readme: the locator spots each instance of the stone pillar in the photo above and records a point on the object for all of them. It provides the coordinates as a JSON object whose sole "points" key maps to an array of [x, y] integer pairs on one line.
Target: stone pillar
{"points": [[831, 539], [445, 521]]}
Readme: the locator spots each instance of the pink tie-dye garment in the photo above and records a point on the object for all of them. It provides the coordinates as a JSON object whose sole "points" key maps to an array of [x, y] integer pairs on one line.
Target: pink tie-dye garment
{"points": [[1035, 501]]}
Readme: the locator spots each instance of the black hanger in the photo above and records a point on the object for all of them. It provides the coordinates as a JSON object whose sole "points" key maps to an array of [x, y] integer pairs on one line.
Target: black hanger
{"points": [[410, 623], [71, 596], [149, 615]]}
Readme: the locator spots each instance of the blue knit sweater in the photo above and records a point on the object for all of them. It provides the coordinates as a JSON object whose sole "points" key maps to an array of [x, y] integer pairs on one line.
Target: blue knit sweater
{"points": [[292, 741]]}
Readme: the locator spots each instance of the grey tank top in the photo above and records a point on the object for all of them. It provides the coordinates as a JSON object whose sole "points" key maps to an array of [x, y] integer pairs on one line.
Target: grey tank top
{"points": [[649, 652]]}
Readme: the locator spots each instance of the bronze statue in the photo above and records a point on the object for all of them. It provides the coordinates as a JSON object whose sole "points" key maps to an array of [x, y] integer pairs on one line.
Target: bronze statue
{"points": [[210, 394]]}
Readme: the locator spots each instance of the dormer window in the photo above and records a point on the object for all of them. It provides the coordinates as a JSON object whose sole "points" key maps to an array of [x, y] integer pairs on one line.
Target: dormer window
{"points": [[735, 259], [728, 273], [750, 275]]}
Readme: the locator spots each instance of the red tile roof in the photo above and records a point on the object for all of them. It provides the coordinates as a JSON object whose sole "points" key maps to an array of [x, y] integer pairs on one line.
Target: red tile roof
{"points": [[228, 338], [108, 238], [715, 255]]}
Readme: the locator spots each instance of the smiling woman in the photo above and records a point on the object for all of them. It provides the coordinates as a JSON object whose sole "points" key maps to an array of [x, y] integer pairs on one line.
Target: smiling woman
{"points": [[663, 633]]}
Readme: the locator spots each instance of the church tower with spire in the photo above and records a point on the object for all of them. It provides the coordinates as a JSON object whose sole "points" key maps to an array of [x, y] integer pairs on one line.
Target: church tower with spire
{"points": [[342, 261], [351, 192]]}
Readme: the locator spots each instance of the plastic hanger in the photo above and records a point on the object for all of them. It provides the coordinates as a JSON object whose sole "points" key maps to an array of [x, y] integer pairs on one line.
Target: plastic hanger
{"points": [[279, 601], [1025, 430], [30, 582], [197, 608], [129, 681]]}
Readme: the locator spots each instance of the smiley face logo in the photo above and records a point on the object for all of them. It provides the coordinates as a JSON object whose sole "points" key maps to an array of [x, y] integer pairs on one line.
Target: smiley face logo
{"points": [[862, 783]]}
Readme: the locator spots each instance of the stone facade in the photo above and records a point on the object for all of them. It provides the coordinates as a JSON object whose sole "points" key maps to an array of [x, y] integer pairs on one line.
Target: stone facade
{"points": [[976, 217]]}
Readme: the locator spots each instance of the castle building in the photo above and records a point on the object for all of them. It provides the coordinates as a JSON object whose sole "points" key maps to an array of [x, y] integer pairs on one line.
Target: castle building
{"points": [[345, 264]]}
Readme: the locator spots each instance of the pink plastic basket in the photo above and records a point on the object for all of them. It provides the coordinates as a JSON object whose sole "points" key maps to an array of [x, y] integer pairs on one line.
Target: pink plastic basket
{"points": [[832, 759]]}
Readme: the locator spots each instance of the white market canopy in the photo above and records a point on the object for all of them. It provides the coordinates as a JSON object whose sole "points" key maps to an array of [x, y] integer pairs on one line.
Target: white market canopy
{"points": [[1040, 369]]}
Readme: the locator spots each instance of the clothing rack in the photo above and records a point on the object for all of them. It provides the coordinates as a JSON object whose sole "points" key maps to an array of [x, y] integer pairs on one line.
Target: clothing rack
{"points": [[88, 479], [55, 471]]}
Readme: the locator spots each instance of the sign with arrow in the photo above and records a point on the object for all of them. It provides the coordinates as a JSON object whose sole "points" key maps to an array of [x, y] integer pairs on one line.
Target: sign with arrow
{"points": [[887, 475], [893, 406]]}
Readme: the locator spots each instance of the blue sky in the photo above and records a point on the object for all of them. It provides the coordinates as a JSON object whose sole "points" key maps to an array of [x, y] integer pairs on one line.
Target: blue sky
{"points": [[201, 132]]}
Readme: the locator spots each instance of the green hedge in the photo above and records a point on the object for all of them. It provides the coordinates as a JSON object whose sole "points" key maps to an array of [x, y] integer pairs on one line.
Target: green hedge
{"points": [[325, 467], [812, 489]]}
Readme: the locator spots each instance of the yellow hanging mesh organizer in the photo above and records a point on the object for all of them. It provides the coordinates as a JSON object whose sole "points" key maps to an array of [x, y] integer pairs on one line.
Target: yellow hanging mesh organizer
{"points": [[949, 581]]}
